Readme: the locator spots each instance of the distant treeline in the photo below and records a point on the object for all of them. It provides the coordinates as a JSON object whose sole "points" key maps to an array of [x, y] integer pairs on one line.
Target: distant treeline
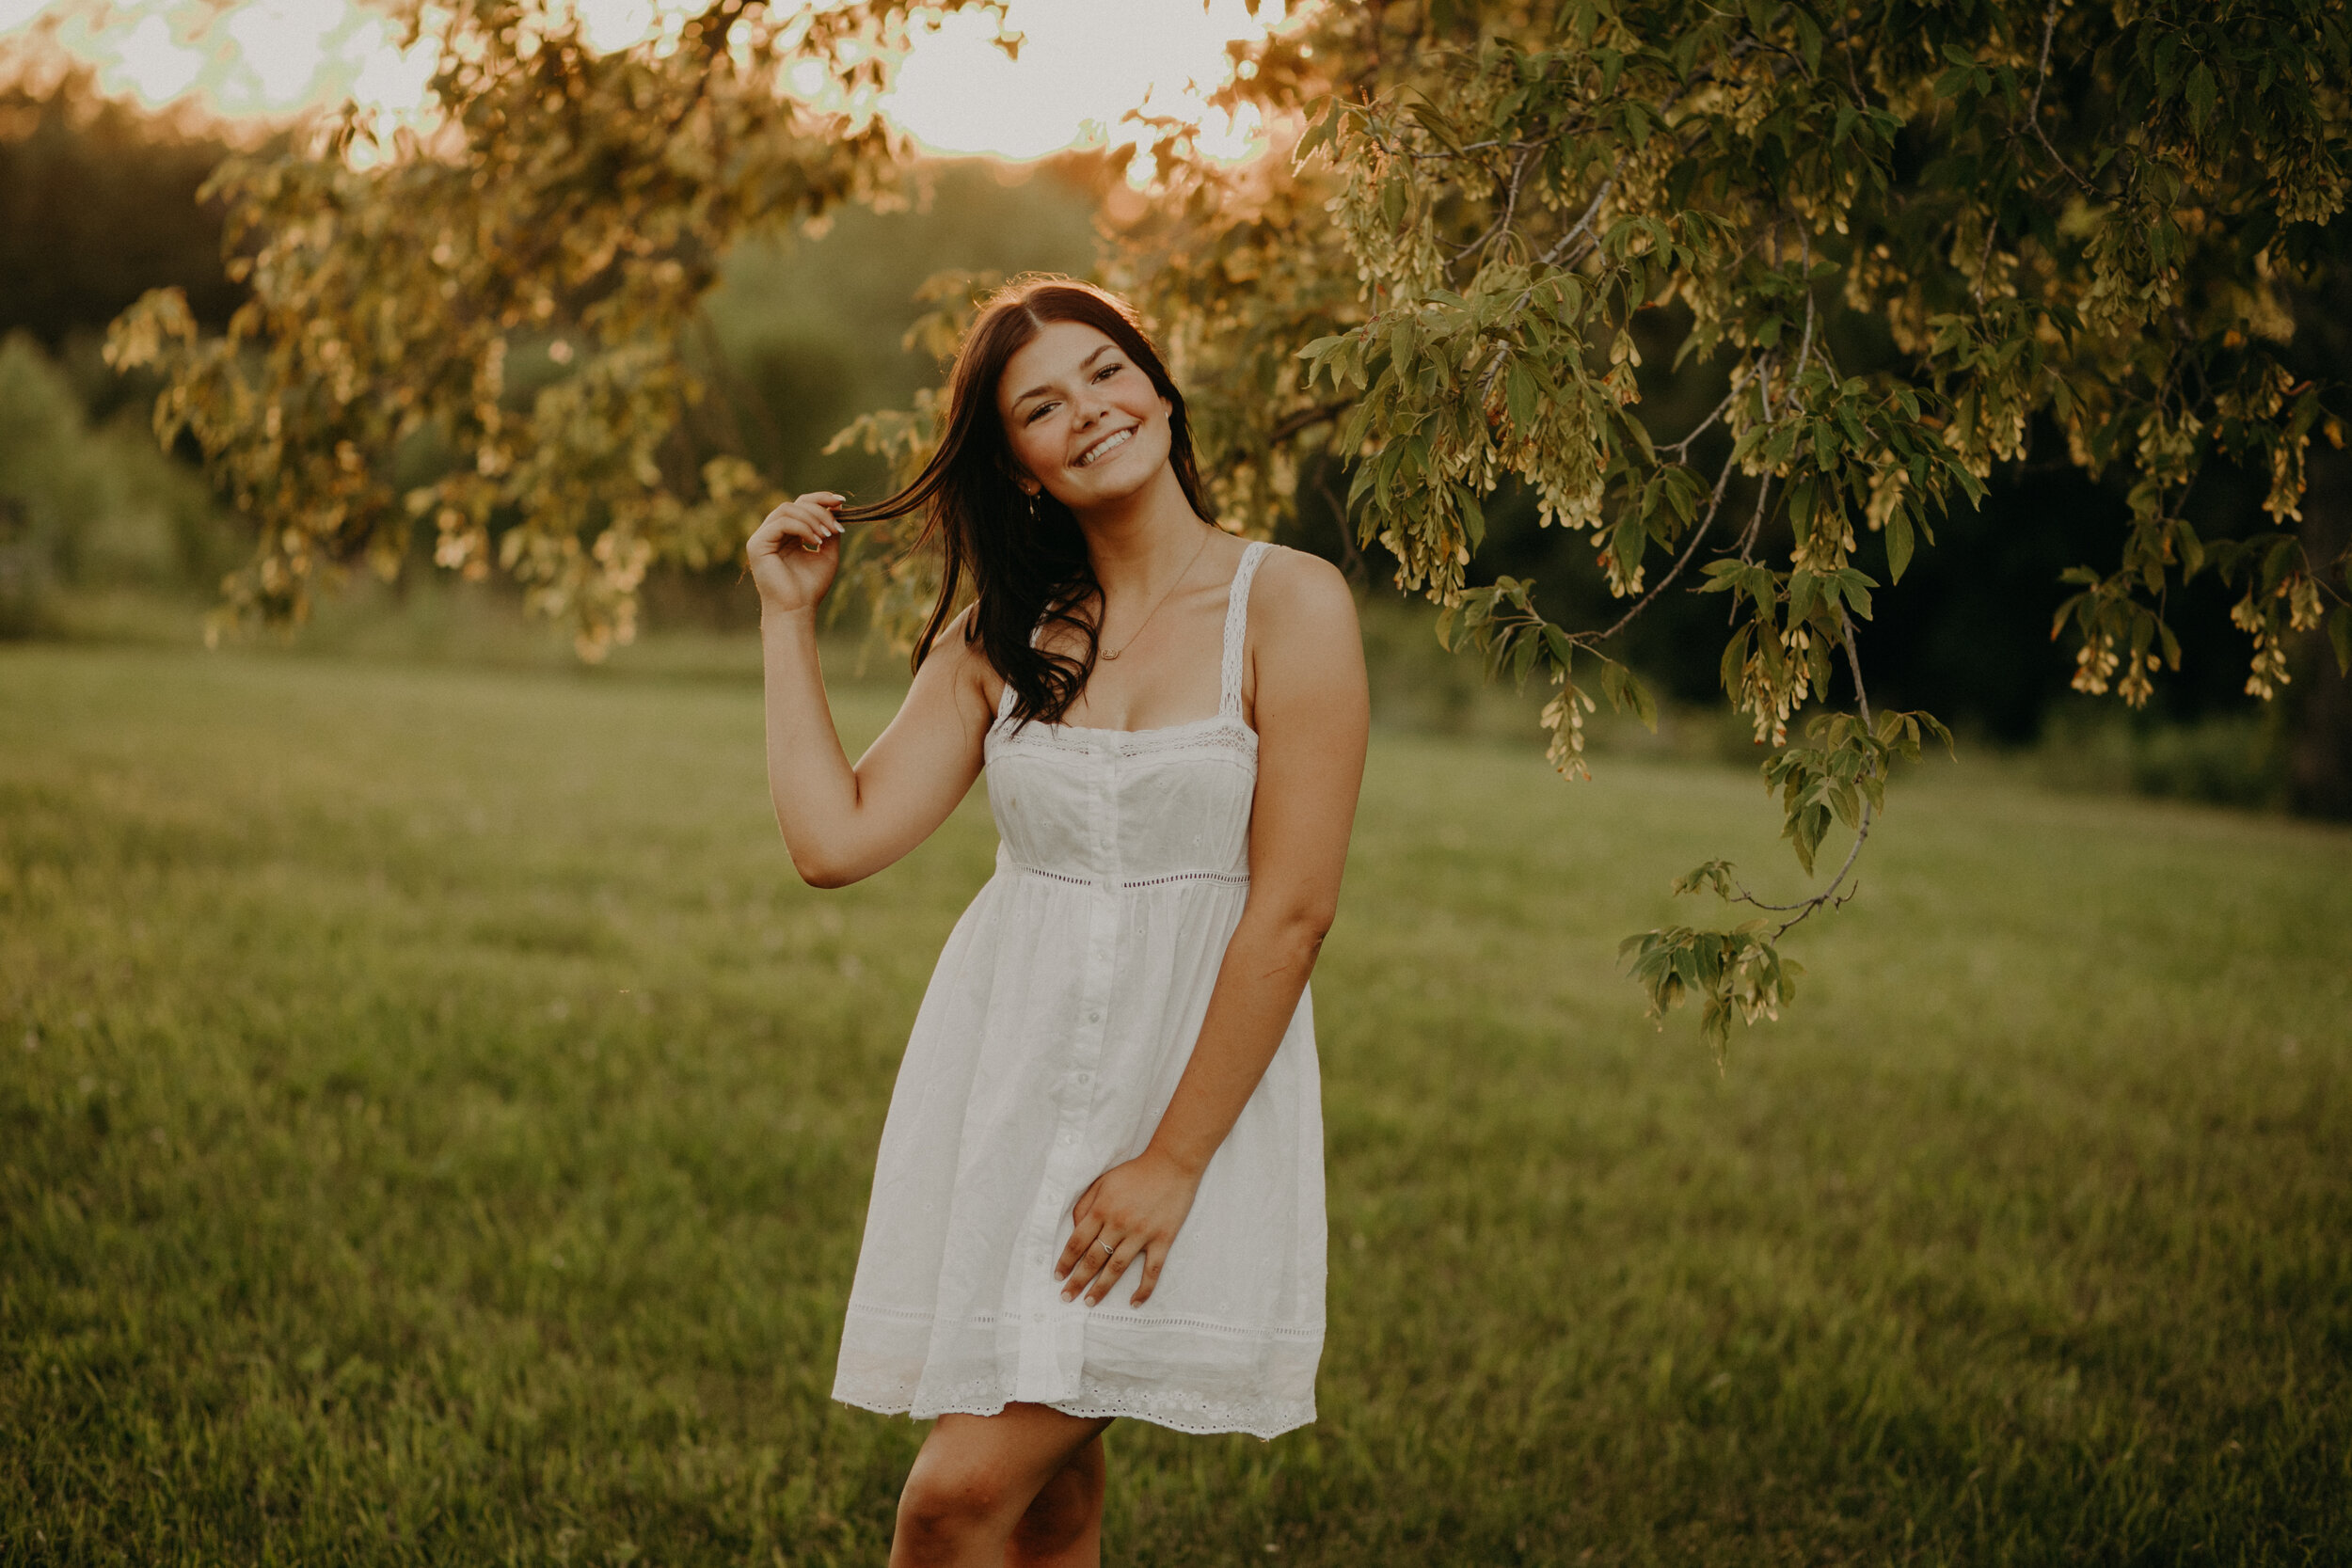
{"points": [[98, 202]]}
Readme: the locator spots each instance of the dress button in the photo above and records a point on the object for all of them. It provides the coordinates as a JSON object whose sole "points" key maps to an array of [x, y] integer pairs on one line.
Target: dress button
{"points": [[1085, 1078], [1095, 1017], [1066, 1140]]}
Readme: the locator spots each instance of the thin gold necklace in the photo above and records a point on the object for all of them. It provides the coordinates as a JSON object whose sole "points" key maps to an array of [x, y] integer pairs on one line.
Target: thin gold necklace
{"points": [[1205, 531]]}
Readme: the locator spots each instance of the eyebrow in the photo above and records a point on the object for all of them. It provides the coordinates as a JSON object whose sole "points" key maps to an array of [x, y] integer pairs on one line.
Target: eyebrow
{"points": [[1039, 392]]}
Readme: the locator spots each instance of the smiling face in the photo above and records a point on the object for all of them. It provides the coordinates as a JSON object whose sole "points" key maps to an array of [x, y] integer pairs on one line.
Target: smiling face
{"points": [[1082, 418]]}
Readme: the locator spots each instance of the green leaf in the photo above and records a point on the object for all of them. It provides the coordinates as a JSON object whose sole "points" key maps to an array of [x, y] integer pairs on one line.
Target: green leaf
{"points": [[1713, 874], [1518, 396], [1801, 507], [1626, 544], [1804, 592], [1641, 436], [1563, 652], [1898, 544], [1325, 127], [2201, 93], [1644, 706], [1809, 41], [1523, 659], [1856, 589]]}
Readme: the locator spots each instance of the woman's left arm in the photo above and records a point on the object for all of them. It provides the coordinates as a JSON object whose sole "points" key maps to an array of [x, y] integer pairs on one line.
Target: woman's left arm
{"points": [[1312, 713]]}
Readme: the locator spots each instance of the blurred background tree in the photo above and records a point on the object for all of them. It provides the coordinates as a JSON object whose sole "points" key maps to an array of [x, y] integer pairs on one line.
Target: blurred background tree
{"points": [[97, 204]]}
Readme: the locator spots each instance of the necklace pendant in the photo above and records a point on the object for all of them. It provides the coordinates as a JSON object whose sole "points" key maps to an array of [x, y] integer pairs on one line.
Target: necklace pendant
{"points": [[1107, 654]]}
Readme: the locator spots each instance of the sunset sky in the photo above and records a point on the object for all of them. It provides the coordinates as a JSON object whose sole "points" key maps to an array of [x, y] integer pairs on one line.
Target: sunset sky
{"points": [[1082, 64]]}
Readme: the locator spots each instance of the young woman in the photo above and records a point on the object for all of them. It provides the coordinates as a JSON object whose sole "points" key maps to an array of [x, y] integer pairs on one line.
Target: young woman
{"points": [[1100, 1189]]}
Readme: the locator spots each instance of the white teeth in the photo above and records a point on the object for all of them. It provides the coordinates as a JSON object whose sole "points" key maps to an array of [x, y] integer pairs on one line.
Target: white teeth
{"points": [[1101, 447]]}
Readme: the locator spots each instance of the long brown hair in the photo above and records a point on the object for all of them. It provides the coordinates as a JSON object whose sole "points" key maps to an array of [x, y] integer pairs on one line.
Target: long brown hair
{"points": [[1025, 556]]}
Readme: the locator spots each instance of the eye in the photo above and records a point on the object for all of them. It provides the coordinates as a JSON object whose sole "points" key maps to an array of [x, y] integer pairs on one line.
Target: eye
{"points": [[1109, 369], [1038, 411]]}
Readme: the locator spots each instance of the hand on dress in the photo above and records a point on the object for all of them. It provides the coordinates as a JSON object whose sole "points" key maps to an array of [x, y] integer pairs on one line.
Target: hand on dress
{"points": [[794, 553], [1132, 1211]]}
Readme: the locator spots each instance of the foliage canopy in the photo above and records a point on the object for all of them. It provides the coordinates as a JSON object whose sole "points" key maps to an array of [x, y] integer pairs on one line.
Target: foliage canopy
{"points": [[1902, 242]]}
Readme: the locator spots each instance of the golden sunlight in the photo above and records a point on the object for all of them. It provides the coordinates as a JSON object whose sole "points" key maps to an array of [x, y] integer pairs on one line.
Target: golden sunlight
{"points": [[1078, 68]]}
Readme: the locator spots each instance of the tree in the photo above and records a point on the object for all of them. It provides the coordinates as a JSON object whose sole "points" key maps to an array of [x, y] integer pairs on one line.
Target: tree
{"points": [[519, 289], [97, 205], [1900, 239]]}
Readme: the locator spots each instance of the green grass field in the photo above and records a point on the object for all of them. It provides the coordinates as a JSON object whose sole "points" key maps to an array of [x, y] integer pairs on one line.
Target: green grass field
{"points": [[435, 1126]]}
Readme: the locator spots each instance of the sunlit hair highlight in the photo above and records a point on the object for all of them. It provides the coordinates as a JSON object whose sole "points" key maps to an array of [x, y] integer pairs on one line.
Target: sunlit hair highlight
{"points": [[1026, 560]]}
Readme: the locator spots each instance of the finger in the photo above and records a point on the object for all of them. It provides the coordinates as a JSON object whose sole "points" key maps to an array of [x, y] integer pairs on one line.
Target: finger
{"points": [[770, 537], [1074, 1250], [1128, 1252], [814, 521], [1089, 1267], [764, 537], [806, 521], [822, 505], [812, 536], [1154, 1259]]}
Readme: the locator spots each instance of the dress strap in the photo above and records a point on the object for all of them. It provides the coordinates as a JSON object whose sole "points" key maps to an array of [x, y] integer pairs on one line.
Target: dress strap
{"points": [[1237, 629]]}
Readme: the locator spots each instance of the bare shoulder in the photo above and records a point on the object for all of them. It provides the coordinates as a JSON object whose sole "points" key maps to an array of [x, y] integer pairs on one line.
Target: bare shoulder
{"points": [[1305, 652], [1301, 598], [957, 661]]}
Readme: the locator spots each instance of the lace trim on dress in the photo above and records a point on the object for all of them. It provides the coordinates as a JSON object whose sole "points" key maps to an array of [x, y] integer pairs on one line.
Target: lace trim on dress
{"points": [[1198, 1414], [1233, 878], [1217, 733]]}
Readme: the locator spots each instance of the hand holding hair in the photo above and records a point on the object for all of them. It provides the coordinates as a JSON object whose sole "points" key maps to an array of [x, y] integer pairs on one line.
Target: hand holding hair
{"points": [[792, 580]]}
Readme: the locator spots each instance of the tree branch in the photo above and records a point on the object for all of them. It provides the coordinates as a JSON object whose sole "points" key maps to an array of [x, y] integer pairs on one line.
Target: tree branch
{"points": [[1306, 419], [1829, 895], [1682, 447], [1582, 226], [1698, 531], [1510, 206], [2033, 110]]}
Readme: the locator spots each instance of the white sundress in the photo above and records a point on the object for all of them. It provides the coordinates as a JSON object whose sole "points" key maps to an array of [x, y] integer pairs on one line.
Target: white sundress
{"points": [[1060, 1016]]}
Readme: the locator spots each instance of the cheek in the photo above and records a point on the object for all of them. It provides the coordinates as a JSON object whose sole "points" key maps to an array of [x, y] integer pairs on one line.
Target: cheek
{"points": [[1025, 443]]}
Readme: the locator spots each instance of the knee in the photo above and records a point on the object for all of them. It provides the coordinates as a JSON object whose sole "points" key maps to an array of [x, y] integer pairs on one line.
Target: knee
{"points": [[944, 1503], [1065, 1512]]}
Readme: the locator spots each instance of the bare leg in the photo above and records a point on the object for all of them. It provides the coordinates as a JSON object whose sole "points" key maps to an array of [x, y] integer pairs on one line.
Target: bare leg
{"points": [[979, 1480], [1063, 1527]]}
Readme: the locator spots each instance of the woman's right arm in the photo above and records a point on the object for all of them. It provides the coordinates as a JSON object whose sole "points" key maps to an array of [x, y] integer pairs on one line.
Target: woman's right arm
{"points": [[841, 822]]}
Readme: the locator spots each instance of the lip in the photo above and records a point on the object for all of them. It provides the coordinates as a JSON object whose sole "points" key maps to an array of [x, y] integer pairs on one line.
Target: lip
{"points": [[1104, 448]]}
